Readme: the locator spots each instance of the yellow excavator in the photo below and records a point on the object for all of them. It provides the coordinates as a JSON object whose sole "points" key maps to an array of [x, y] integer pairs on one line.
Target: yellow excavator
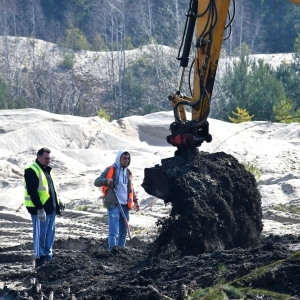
{"points": [[207, 21]]}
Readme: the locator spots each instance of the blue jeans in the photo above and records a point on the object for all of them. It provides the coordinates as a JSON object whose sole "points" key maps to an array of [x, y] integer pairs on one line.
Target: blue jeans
{"points": [[43, 235], [117, 230]]}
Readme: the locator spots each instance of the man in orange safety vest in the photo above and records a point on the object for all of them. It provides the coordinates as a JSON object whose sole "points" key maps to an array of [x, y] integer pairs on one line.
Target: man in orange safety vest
{"points": [[118, 177]]}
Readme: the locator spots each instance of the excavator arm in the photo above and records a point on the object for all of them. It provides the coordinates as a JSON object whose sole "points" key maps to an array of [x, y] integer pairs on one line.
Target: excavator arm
{"points": [[204, 32], [206, 23]]}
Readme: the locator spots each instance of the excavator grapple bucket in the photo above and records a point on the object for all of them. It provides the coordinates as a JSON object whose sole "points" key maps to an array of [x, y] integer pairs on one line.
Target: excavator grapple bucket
{"points": [[156, 183], [158, 179]]}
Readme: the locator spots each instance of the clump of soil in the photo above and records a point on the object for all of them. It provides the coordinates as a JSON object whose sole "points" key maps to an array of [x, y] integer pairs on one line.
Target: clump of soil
{"points": [[215, 205]]}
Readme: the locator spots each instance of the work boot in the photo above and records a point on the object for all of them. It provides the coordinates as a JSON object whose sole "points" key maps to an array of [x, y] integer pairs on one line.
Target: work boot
{"points": [[48, 257], [39, 261]]}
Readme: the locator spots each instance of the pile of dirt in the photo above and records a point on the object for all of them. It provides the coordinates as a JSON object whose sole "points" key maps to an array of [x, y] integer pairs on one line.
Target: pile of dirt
{"points": [[215, 205], [211, 238]]}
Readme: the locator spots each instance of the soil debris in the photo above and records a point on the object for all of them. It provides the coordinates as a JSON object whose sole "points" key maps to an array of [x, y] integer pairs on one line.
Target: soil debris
{"points": [[133, 273], [212, 237]]}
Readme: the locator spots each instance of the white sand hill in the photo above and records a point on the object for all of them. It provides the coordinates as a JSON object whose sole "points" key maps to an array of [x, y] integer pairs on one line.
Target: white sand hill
{"points": [[82, 147]]}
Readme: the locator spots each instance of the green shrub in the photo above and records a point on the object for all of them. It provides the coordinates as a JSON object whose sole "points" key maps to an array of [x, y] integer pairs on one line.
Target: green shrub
{"points": [[68, 61], [242, 115], [291, 208], [253, 169], [3, 94], [76, 40], [82, 207], [99, 43], [102, 114]]}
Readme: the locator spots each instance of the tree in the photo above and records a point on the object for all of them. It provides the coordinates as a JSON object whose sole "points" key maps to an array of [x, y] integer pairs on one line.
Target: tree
{"points": [[241, 116], [232, 86], [102, 114], [288, 109], [288, 74], [285, 112], [252, 85], [265, 90], [75, 39], [76, 12], [3, 94], [99, 43]]}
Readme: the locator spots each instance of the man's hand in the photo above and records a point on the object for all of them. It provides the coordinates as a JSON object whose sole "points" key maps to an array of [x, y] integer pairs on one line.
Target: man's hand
{"points": [[61, 206], [109, 182], [136, 204], [41, 214]]}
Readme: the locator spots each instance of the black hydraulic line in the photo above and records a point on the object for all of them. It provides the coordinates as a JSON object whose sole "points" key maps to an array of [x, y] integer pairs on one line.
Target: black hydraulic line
{"points": [[184, 59], [213, 20], [230, 21], [211, 9], [208, 9], [229, 34], [233, 15], [184, 31]]}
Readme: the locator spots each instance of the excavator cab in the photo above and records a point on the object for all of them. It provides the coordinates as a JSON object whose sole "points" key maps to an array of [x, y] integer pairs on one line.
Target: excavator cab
{"points": [[205, 25]]}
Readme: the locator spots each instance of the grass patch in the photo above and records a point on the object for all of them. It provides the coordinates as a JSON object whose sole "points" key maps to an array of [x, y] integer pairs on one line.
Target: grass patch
{"points": [[220, 292], [227, 292], [290, 208], [295, 256], [262, 294], [82, 208], [240, 288], [138, 230], [253, 169]]}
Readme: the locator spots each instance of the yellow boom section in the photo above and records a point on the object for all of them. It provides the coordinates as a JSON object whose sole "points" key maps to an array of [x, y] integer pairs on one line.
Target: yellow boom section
{"points": [[210, 21], [295, 1], [210, 28]]}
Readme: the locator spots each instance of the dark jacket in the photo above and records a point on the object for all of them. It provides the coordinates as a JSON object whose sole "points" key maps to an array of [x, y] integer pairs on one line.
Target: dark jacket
{"points": [[32, 183], [110, 200]]}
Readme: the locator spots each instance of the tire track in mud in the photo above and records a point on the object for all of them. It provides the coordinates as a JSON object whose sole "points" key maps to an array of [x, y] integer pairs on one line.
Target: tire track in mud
{"points": [[14, 230], [75, 230], [74, 223]]}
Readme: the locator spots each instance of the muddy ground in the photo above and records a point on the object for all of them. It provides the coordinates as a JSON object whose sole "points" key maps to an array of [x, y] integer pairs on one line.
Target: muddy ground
{"points": [[212, 237]]}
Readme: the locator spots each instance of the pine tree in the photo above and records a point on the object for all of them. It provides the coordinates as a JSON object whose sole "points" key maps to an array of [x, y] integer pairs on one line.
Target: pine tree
{"points": [[242, 115]]}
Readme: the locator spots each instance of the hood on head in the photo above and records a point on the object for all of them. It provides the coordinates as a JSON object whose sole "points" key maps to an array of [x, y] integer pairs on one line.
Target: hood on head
{"points": [[119, 154]]}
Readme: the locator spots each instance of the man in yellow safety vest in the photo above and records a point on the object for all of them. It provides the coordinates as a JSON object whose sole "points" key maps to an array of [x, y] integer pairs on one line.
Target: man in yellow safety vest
{"points": [[42, 202]]}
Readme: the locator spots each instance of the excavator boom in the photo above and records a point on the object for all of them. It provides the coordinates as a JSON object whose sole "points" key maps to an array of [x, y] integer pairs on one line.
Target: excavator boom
{"points": [[205, 27], [206, 24]]}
